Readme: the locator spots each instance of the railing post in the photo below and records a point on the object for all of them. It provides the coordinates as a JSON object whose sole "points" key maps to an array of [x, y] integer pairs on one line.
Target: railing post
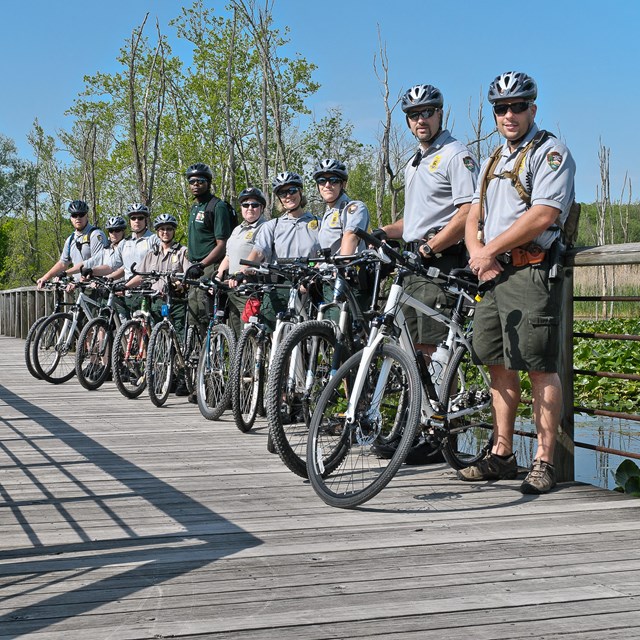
{"points": [[564, 454]]}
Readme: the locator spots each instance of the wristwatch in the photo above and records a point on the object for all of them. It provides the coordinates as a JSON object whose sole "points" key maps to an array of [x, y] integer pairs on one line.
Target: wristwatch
{"points": [[427, 250]]}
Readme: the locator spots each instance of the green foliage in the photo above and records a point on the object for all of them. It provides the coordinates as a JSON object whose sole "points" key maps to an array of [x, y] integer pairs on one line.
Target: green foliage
{"points": [[607, 356], [622, 224], [627, 477]]}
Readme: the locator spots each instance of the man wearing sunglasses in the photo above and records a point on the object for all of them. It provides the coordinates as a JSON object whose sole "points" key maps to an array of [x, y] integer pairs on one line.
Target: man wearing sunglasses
{"points": [[85, 241], [511, 229], [210, 225]]}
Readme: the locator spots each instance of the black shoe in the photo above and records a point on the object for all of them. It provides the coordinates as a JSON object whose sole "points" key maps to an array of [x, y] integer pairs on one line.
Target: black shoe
{"points": [[181, 389], [193, 398]]}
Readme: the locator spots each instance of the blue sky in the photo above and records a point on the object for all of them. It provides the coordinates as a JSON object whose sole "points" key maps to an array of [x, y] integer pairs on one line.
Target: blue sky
{"points": [[585, 57]]}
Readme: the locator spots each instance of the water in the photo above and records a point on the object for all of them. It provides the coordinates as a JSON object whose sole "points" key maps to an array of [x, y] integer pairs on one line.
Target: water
{"points": [[592, 467]]}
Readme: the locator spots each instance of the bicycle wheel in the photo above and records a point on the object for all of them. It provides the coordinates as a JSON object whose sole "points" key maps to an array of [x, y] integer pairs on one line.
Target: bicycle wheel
{"points": [[466, 394], [160, 363], [129, 358], [54, 349], [93, 353], [192, 348], [213, 389], [247, 377], [29, 344], [300, 371], [343, 469]]}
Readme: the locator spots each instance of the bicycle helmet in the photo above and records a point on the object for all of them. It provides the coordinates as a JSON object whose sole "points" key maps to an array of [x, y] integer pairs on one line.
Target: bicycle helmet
{"points": [[199, 169], [115, 223], [165, 218], [285, 178], [253, 192], [78, 206], [138, 208], [331, 166], [422, 96], [513, 84]]}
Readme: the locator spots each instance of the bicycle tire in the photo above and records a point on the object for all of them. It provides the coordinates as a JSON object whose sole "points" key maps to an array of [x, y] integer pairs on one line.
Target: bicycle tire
{"points": [[128, 360], [246, 379], [192, 349], [93, 353], [28, 347], [54, 366], [290, 402], [466, 394], [160, 361], [213, 388], [343, 468]]}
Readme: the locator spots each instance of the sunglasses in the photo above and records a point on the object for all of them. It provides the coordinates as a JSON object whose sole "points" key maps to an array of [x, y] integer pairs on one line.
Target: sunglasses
{"points": [[78, 215], [331, 180], [136, 218], [515, 107], [426, 114], [291, 191], [250, 205], [197, 181], [164, 229]]}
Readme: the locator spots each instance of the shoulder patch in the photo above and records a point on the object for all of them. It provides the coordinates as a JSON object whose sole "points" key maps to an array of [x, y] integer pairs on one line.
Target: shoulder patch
{"points": [[554, 160], [352, 207], [469, 163], [313, 224], [433, 165]]}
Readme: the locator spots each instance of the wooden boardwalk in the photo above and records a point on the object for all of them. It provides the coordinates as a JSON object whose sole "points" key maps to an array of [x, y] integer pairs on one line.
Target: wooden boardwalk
{"points": [[122, 521]]}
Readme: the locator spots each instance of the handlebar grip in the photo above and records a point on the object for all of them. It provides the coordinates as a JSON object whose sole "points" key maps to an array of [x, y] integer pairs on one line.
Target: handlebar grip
{"points": [[250, 263]]}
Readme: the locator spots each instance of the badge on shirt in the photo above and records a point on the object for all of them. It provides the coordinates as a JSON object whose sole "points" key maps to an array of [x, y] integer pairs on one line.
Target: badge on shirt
{"points": [[334, 220], [200, 216], [174, 258], [249, 235], [469, 163], [313, 225], [434, 163], [554, 160], [352, 208]]}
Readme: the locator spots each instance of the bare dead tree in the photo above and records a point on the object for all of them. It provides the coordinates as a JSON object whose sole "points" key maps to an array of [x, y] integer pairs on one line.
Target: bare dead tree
{"points": [[477, 124], [603, 207], [231, 166]]}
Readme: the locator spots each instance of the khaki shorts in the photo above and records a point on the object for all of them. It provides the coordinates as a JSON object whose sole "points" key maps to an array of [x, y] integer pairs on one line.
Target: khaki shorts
{"points": [[517, 323]]}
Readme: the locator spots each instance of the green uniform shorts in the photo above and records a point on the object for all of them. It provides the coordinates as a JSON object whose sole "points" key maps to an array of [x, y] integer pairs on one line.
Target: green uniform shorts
{"points": [[517, 323]]}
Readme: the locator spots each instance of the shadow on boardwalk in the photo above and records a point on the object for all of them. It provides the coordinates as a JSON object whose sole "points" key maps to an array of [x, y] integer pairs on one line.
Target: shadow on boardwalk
{"points": [[83, 559]]}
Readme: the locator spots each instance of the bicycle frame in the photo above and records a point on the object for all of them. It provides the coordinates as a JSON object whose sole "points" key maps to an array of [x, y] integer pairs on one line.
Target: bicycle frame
{"points": [[82, 304]]}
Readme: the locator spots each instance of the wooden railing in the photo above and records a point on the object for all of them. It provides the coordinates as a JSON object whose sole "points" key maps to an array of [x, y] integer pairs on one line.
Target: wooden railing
{"points": [[19, 308]]}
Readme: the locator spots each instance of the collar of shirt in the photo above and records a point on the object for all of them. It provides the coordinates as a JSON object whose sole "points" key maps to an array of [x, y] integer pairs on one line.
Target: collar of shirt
{"points": [[505, 147]]}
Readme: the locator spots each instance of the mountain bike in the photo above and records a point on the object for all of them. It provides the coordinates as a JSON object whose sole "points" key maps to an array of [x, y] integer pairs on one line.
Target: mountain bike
{"points": [[130, 347], [386, 392], [54, 348], [93, 352], [311, 354], [256, 346]]}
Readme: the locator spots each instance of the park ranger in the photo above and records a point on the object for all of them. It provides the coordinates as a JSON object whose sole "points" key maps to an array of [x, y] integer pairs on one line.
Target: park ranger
{"points": [[525, 194], [85, 241], [439, 185]]}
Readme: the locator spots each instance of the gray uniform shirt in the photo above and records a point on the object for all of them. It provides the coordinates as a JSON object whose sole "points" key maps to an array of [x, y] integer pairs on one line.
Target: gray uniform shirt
{"points": [[109, 255], [345, 215], [444, 179], [547, 174], [134, 250], [288, 237], [241, 243], [82, 245], [175, 260]]}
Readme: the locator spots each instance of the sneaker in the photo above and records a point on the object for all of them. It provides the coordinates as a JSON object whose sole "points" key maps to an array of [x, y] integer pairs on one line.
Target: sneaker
{"points": [[193, 398], [490, 468], [540, 479], [181, 389]]}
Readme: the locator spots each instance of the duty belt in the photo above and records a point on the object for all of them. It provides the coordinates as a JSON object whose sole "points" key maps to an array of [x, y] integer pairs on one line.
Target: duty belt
{"points": [[530, 254]]}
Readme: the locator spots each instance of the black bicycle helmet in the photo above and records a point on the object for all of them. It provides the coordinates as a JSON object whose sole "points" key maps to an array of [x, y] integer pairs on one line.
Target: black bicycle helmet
{"points": [[165, 218], [252, 192], [422, 96], [286, 178], [78, 206], [332, 167], [138, 208], [199, 169], [114, 223], [512, 84]]}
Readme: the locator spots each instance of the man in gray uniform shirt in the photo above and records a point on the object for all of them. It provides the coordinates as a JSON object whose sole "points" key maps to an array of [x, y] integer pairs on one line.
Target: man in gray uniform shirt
{"points": [[439, 186], [510, 239]]}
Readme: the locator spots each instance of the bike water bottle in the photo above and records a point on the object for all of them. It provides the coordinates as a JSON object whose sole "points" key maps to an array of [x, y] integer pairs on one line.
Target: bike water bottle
{"points": [[439, 360], [145, 305]]}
